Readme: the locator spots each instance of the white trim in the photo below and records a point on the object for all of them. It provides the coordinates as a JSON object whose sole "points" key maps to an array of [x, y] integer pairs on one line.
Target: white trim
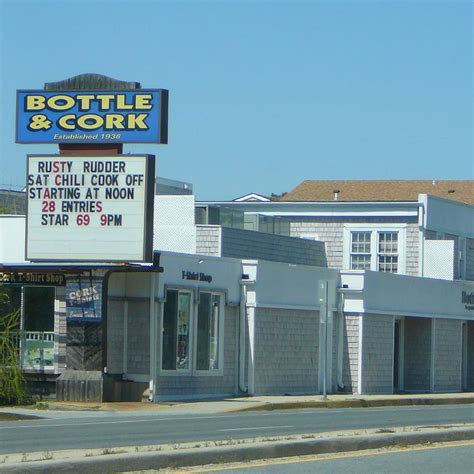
{"points": [[220, 370], [288, 306], [347, 213], [178, 372], [360, 352], [251, 350], [375, 229], [416, 315]]}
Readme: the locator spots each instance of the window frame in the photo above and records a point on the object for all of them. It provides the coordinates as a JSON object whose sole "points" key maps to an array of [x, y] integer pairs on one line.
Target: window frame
{"points": [[192, 370], [178, 372], [375, 229], [220, 370]]}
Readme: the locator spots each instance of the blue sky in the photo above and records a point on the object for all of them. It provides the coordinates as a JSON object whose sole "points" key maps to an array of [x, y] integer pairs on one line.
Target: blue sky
{"points": [[263, 94]]}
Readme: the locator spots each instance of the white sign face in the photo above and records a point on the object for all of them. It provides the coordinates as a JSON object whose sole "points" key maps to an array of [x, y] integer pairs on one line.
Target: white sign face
{"points": [[90, 208]]}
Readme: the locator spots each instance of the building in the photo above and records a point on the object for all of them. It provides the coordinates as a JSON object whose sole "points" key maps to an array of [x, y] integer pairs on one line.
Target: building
{"points": [[224, 310]]}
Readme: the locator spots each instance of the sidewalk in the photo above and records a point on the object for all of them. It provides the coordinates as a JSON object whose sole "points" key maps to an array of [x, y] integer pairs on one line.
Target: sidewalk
{"points": [[132, 458], [238, 404]]}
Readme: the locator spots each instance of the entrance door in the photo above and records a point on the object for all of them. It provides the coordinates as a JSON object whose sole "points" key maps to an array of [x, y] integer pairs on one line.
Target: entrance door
{"points": [[398, 355], [464, 356]]}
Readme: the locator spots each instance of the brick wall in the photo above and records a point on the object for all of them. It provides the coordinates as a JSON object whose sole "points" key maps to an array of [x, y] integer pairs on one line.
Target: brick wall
{"points": [[286, 351], [447, 355], [350, 356], [417, 354], [377, 354], [203, 386], [138, 340], [208, 238]]}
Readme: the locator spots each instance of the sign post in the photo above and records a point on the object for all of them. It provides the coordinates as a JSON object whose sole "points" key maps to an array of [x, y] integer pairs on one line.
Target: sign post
{"points": [[90, 203]]}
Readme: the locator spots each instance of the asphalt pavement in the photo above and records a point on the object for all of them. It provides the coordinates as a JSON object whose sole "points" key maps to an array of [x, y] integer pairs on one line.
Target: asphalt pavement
{"points": [[109, 436]]}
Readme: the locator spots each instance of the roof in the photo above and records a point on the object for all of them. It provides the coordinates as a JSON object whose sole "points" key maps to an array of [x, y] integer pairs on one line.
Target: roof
{"points": [[252, 197], [381, 190]]}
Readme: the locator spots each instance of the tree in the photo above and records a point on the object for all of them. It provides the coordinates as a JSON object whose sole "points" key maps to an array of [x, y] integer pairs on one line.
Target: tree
{"points": [[12, 381]]}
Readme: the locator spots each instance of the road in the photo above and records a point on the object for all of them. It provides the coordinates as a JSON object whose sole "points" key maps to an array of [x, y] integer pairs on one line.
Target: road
{"points": [[434, 460], [99, 430]]}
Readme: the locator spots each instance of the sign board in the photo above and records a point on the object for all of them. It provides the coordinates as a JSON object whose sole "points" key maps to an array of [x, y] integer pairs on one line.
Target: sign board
{"points": [[126, 116], [32, 279], [84, 299], [90, 208]]}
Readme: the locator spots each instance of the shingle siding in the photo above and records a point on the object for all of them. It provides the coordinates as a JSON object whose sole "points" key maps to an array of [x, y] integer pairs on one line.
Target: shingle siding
{"points": [[350, 356], [286, 351], [238, 243], [330, 230], [470, 259], [377, 354], [417, 354], [447, 355]]}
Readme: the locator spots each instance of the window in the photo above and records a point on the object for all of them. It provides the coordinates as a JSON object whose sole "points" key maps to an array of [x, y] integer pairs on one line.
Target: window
{"points": [[207, 347], [182, 331], [387, 255], [360, 250], [378, 248], [176, 326]]}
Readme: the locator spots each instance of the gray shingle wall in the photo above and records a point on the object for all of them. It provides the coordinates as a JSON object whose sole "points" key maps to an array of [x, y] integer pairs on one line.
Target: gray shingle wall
{"points": [[208, 240], [470, 259], [286, 351], [417, 354], [447, 355], [201, 386], [350, 356], [331, 231], [377, 354], [138, 341], [412, 250], [115, 317], [240, 243]]}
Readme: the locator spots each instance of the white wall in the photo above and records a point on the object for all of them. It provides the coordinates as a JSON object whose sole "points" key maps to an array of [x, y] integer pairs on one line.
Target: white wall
{"points": [[385, 293], [174, 229], [451, 217], [287, 285], [12, 239]]}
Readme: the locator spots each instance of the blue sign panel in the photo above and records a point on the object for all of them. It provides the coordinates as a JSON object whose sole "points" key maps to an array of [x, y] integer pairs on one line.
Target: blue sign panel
{"points": [[126, 116], [84, 299]]}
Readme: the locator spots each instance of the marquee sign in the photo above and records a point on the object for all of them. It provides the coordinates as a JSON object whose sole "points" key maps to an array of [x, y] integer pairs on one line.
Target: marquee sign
{"points": [[125, 116], [90, 208]]}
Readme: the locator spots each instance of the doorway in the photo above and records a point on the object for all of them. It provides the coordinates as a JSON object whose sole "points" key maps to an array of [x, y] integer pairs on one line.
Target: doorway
{"points": [[398, 355]]}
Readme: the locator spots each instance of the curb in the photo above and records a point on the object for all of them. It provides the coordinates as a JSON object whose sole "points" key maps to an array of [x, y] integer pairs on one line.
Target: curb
{"points": [[356, 403], [240, 453]]}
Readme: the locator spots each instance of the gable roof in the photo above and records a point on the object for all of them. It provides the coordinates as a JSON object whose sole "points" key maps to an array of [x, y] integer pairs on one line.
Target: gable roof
{"points": [[381, 190], [252, 197]]}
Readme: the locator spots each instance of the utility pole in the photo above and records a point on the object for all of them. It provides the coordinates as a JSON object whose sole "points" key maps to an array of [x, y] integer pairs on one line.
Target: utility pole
{"points": [[323, 325]]}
